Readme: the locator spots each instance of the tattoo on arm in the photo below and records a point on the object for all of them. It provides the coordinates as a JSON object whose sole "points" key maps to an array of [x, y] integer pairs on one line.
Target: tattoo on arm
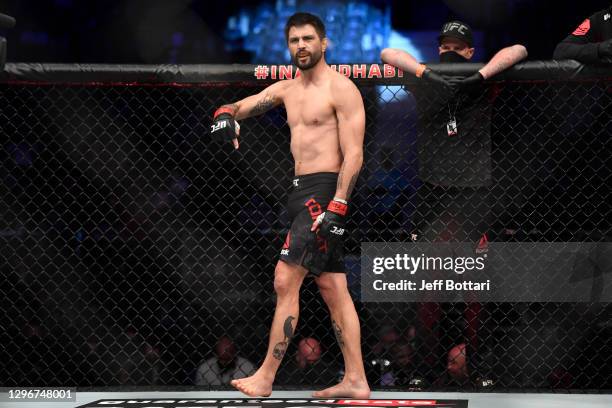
{"points": [[352, 182], [502, 64], [338, 333], [340, 176], [263, 105], [503, 60], [281, 347]]}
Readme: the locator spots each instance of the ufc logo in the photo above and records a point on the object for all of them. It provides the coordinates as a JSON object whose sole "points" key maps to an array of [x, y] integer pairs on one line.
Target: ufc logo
{"points": [[336, 230], [455, 26], [218, 126]]}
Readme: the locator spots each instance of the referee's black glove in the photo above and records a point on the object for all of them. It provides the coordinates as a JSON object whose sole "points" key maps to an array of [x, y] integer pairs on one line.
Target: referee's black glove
{"points": [[467, 84], [431, 76]]}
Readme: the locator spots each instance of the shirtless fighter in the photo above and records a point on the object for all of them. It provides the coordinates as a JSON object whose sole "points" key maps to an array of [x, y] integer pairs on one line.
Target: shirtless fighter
{"points": [[327, 120]]}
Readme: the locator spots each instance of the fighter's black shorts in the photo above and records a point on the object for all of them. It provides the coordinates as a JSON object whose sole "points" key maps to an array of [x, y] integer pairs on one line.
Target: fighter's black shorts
{"points": [[309, 197]]}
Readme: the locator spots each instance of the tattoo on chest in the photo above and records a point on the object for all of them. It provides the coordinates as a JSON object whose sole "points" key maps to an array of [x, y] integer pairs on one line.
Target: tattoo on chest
{"points": [[281, 348], [263, 105]]}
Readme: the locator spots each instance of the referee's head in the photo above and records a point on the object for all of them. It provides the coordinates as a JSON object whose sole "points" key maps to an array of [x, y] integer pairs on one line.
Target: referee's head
{"points": [[455, 42]]}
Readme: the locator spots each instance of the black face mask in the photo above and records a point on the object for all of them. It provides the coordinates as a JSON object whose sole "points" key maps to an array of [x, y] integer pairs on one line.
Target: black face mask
{"points": [[452, 57]]}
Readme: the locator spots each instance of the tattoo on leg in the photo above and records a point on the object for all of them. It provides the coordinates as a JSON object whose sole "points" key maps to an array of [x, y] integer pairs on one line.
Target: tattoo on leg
{"points": [[281, 348], [263, 105], [288, 328], [338, 333]]}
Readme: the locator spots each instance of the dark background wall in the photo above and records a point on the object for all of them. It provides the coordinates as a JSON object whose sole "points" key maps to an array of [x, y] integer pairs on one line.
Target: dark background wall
{"points": [[196, 31]]}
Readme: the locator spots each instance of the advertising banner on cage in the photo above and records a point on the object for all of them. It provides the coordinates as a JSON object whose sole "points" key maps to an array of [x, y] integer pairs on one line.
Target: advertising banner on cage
{"points": [[278, 403], [486, 272]]}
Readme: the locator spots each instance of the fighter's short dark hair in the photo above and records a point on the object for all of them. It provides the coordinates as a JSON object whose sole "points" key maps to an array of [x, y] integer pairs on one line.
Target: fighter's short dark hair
{"points": [[301, 19]]}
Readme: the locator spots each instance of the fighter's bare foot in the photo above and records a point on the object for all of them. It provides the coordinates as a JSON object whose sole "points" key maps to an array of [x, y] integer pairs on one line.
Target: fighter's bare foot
{"points": [[346, 389], [257, 385]]}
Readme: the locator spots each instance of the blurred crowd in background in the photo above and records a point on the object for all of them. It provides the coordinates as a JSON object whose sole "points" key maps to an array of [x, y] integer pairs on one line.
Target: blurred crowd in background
{"points": [[194, 32]]}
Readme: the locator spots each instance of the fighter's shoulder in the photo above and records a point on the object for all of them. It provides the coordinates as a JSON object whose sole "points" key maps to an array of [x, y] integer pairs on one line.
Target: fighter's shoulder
{"points": [[281, 86], [341, 85], [279, 89]]}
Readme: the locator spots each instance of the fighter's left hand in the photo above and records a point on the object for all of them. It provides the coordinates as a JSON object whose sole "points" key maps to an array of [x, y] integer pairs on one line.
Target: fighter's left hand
{"points": [[331, 223]]}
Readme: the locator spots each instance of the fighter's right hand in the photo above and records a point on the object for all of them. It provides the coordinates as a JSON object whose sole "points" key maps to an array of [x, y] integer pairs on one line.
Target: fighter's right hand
{"points": [[224, 126]]}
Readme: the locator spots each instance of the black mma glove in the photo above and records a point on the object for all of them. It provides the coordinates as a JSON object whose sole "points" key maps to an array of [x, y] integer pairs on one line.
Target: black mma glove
{"points": [[331, 228], [604, 49], [224, 127], [434, 78], [332, 222], [467, 84]]}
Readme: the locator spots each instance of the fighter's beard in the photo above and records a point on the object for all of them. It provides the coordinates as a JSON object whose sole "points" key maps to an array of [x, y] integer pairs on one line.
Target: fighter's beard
{"points": [[314, 59]]}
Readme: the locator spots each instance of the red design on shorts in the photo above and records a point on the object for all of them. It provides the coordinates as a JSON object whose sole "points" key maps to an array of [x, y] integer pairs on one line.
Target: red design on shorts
{"points": [[322, 245], [314, 208], [583, 28], [286, 244]]}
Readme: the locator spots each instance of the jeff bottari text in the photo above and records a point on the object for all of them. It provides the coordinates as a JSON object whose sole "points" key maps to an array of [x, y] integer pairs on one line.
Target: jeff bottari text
{"points": [[435, 285]]}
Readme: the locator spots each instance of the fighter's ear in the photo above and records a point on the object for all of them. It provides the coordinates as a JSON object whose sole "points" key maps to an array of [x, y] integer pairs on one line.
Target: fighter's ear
{"points": [[324, 44], [470, 53]]}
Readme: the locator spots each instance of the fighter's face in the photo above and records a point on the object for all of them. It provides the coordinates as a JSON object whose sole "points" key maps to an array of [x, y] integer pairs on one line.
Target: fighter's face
{"points": [[305, 46], [455, 44]]}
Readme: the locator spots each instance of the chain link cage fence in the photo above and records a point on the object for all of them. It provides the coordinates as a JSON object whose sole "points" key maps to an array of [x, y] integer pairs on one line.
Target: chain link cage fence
{"points": [[131, 244]]}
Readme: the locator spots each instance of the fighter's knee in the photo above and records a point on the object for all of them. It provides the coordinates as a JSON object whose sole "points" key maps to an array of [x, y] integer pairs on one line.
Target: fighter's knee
{"points": [[327, 294], [331, 288], [282, 286], [285, 283]]}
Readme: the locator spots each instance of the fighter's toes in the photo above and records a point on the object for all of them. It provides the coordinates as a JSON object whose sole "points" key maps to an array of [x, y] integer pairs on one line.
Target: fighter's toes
{"points": [[359, 390], [253, 386]]}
